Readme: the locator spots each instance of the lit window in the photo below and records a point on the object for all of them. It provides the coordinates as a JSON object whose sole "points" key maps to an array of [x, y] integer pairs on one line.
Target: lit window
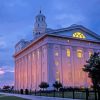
{"points": [[79, 53], [56, 63], [68, 52], [90, 53], [57, 76], [79, 35], [67, 40], [56, 54]]}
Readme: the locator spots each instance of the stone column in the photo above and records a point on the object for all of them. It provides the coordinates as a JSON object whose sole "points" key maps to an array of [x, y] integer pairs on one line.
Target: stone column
{"points": [[26, 70], [21, 73], [15, 76], [19, 67], [29, 71], [50, 64], [74, 65], [35, 62], [64, 63], [85, 59]]}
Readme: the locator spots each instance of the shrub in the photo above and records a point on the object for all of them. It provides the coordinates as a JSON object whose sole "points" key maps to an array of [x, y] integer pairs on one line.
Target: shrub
{"points": [[26, 91], [21, 91], [57, 85], [44, 85]]}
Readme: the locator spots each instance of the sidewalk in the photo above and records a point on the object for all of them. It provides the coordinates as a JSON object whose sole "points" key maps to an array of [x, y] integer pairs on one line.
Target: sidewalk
{"points": [[31, 97]]}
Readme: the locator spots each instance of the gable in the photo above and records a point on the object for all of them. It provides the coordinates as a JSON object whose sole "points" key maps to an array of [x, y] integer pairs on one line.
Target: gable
{"points": [[78, 32]]}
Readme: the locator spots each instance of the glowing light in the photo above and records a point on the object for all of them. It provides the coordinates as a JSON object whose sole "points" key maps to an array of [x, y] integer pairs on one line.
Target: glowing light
{"points": [[79, 35], [67, 40], [57, 75], [56, 54], [56, 63], [68, 52], [90, 53], [79, 53]]}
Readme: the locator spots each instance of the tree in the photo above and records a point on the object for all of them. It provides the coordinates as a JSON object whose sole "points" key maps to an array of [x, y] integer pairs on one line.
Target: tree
{"points": [[93, 69], [57, 85], [6, 87], [44, 85]]}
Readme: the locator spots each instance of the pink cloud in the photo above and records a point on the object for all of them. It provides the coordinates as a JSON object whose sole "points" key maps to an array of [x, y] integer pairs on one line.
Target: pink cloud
{"points": [[5, 69], [1, 71]]}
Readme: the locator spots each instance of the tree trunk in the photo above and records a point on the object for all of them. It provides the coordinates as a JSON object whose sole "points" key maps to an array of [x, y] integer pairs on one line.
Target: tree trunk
{"points": [[95, 93], [98, 89], [95, 88]]}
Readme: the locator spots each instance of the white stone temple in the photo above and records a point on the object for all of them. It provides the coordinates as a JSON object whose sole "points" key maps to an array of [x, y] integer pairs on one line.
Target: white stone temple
{"points": [[54, 55]]}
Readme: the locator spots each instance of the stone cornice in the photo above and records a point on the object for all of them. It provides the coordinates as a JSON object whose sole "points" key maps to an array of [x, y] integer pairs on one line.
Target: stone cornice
{"points": [[51, 35]]}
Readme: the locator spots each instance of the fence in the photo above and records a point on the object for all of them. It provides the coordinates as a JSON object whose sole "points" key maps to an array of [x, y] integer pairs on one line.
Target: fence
{"points": [[73, 93]]}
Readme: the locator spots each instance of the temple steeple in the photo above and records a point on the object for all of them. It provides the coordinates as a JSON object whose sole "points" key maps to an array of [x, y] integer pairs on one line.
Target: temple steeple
{"points": [[40, 24]]}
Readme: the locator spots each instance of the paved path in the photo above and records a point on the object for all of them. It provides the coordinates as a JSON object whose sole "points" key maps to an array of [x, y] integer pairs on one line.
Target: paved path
{"points": [[31, 97]]}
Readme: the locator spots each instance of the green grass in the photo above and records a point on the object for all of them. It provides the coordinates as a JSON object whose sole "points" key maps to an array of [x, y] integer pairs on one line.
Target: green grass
{"points": [[11, 98], [78, 95], [1, 94]]}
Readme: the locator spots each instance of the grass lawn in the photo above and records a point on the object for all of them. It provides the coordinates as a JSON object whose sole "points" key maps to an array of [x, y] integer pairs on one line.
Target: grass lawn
{"points": [[10, 98], [78, 95]]}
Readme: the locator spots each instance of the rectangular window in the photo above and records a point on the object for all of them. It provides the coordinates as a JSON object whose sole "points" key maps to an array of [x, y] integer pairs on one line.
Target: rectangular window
{"points": [[57, 76], [56, 53], [68, 52], [56, 63], [79, 53], [90, 53]]}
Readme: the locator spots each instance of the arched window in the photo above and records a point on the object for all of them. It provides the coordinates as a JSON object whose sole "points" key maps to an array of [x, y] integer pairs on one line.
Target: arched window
{"points": [[56, 53], [79, 53], [68, 52], [79, 35]]}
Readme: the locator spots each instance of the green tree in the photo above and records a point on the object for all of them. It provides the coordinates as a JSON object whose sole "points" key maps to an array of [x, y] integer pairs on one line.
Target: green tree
{"points": [[6, 87], [57, 85], [44, 85], [93, 69]]}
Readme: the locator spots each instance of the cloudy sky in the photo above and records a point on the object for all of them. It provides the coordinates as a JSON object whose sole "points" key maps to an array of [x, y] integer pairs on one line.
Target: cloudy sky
{"points": [[17, 22]]}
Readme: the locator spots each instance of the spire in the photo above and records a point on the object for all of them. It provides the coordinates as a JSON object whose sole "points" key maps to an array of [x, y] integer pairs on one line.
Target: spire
{"points": [[40, 24], [40, 11]]}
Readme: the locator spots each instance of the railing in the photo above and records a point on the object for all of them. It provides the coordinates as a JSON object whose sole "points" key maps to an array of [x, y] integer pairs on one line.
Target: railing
{"points": [[85, 94]]}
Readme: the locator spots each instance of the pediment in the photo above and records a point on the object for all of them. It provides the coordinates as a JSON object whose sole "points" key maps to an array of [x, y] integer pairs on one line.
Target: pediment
{"points": [[77, 31]]}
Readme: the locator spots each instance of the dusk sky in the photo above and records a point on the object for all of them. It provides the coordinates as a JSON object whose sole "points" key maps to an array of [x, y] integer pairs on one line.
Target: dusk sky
{"points": [[17, 22]]}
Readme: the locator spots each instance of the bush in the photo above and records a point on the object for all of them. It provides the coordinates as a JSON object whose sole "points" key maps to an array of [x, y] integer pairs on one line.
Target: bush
{"points": [[44, 85], [21, 91], [26, 91], [57, 85]]}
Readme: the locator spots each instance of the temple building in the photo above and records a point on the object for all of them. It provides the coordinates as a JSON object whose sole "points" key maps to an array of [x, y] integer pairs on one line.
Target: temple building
{"points": [[54, 55]]}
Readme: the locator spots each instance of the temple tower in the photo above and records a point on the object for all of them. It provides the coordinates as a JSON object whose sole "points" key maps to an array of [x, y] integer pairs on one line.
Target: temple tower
{"points": [[40, 24]]}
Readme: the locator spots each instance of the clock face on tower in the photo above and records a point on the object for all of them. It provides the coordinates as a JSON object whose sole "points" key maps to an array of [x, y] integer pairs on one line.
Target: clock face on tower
{"points": [[79, 35]]}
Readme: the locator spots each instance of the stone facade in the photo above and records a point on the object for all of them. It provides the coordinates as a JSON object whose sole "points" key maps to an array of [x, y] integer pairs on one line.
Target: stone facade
{"points": [[55, 57]]}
